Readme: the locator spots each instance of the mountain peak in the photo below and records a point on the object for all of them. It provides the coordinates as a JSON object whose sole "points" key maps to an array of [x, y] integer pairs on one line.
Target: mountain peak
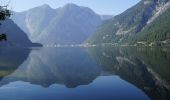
{"points": [[41, 7], [70, 24], [71, 5], [44, 6]]}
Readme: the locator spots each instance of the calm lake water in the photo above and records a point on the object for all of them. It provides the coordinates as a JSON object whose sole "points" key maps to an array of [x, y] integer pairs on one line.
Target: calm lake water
{"points": [[95, 73]]}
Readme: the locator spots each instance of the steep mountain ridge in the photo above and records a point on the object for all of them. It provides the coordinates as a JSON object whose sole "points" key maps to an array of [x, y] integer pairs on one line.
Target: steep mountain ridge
{"points": [[125, 27], [70, 24], [15, 36]]}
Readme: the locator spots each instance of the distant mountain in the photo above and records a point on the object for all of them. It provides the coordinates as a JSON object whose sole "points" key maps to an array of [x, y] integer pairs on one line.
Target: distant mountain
{"points": [[15, 36], [106, 17], [146, 22], [70, 24]]}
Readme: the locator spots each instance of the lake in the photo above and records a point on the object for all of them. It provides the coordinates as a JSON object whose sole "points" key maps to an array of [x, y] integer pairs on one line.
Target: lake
{"points": [[92, 73]]}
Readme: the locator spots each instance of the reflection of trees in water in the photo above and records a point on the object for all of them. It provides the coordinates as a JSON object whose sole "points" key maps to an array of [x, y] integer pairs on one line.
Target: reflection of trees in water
{"points": [[146, 68]]}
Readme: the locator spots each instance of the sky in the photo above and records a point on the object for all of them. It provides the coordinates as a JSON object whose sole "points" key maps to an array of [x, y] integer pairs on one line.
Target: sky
{"points": [[105, 7]]}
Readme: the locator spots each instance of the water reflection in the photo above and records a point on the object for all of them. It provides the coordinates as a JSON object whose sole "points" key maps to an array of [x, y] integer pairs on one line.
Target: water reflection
{"points": [[145, 69], [11, 59], [71, 67]]}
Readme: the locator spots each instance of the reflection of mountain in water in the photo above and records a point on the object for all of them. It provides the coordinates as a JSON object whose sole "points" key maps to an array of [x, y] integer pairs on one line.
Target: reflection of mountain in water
{"points": [[148, 69], [11, 59], [69, 66]]}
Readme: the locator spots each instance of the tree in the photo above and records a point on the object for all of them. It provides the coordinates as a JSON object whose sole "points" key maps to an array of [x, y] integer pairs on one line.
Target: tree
{"points": [[4, 13]]}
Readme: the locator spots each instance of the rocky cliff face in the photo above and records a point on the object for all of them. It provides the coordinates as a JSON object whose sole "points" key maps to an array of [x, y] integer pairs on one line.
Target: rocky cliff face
{"points": [[70, 24], [133, 21]]}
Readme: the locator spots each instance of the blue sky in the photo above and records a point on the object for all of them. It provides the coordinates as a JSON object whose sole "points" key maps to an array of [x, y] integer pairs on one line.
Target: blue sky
{"points": [[110, 7]]}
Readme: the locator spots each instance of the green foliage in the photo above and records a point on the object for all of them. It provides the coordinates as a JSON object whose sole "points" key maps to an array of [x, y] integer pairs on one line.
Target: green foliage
{"points": [[4, 13], [131, 26], [159, 30], [3, 37], [131, 21]]}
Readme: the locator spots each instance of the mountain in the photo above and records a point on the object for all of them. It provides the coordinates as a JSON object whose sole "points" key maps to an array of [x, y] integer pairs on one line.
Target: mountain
{"points": [[147, 21], [70, 24], [15, 36], [106, 17]]}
